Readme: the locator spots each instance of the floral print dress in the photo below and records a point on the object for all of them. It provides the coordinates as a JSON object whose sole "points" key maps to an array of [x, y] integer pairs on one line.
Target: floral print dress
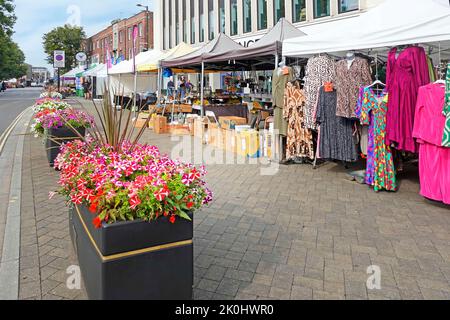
{"points": [[446, 111], [380, 171]]}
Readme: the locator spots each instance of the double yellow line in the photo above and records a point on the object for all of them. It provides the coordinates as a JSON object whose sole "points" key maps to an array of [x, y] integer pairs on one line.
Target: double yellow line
{"points": [[4, 137]]}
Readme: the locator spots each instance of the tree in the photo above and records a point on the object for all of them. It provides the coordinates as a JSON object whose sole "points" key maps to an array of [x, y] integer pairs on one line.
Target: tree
{"points": [[68, 38], [7, 17], [12, 59]]}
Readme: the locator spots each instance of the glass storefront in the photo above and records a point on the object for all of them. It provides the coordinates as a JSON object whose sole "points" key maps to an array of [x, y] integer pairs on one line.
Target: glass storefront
{"points": [[247, 15], [177, 23], [278, 10], [262, 14], [298, 10], [184, 22], [321, 8]]}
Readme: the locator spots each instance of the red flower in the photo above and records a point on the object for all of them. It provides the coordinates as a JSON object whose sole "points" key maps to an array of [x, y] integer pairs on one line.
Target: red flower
{"points": [[134, 202], [97, 222], [166, 214], [93, 207], [190, 205], [172, 219], [161, 194]]}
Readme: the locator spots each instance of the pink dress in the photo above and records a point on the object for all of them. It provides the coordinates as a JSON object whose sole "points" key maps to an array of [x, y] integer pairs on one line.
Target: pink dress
{"points": [[405, 74], [434, 160]]}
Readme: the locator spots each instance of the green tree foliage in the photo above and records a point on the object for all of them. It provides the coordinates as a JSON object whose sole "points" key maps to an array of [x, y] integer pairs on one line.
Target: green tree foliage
{"points": [[68, 38], [11, 57], [7, 17]]}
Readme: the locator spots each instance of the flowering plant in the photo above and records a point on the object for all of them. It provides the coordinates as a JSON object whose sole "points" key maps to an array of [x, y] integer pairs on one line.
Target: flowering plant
{"points": [[51, 94], [136, 182], [50, 118], [49, 103]]}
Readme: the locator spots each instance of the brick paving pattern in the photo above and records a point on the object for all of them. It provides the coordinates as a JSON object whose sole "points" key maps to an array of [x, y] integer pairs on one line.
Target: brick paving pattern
{"points": [[299, 234]]}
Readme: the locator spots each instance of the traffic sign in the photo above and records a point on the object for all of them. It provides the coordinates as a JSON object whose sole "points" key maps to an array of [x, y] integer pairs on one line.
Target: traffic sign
{"points": [[59, 58]]}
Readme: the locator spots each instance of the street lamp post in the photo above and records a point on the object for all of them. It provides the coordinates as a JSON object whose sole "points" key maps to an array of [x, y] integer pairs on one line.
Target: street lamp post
{"points": [[148, 21]]}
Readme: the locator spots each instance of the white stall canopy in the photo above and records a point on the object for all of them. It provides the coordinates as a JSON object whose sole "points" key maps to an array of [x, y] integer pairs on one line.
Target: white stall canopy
{"points": [[97, 71], [126, 66], [392, 23]]}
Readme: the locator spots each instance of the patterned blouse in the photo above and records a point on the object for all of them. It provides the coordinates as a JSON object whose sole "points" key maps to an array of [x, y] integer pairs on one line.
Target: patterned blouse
{"points": [[348, 81], [319, 69]]}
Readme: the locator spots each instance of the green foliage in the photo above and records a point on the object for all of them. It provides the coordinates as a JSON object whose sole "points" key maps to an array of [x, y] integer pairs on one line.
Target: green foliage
{"points": [[68, 38], [7, 17], [11, 57]]}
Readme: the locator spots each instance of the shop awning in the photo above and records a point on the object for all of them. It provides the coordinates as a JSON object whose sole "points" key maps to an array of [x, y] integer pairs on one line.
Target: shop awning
{"points": [[260, 55], [72, 73], [83, 73], [126, 66], [391, 23], [97, 71], [152, 63], [222, 43]]}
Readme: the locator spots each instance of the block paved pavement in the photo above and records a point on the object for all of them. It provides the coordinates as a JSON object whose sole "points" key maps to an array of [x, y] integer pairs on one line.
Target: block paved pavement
{"points": [[298, 234]]}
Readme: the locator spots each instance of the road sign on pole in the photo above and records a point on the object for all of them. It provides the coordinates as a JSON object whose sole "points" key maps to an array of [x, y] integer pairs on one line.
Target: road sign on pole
{"points": [[59, 59]]}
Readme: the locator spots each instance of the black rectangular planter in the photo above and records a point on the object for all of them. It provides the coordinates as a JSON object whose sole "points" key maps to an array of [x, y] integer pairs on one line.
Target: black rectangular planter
{"points": [[61, 135], [134, 260]]}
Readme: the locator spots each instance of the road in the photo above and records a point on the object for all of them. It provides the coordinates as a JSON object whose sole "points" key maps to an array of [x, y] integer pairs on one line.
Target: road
{"points": [[13, 102]]}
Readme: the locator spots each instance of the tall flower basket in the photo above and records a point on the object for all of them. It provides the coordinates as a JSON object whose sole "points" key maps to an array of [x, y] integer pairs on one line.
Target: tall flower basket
{"points": [[131, 212]]}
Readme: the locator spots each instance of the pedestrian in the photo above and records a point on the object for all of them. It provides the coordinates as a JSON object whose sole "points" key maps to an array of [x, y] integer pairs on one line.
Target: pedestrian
{"points": [[182, 86], [3, 86], [189, 86], [86, 86], [170, 88]]}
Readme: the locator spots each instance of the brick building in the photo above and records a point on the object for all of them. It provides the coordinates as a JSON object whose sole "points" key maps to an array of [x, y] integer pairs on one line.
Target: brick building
{"points": [[119, 37]]}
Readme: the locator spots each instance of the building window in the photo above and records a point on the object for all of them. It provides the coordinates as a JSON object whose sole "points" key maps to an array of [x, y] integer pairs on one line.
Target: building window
{"points": [[192, 21], [170, 23], [184, 22], [130, 31], [164, 25], [234, 17], [348, 5], [321, 8], [298, 10], [211, 19], [202, 20], [177, 23], [278, 10], [262, 14], [140, 30], [247, 15], [222, 16]]}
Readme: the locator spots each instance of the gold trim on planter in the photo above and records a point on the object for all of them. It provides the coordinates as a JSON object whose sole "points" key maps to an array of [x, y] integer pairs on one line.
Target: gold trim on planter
{"points": [[129, 253]]}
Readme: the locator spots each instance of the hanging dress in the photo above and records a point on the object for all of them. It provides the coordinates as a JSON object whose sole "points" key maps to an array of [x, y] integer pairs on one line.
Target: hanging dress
{"points": [[336, 133], [279, 80], [434, 160], [299, 139], [406, 72], [446, 111], [319, 69], [348, 81], [380, 172]]}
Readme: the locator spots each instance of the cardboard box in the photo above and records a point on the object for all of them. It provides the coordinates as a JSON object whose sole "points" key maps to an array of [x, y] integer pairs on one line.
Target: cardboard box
{"points": [[141, 120], [231, 122], [268, 144], [151, 123], [213, 134], [248, 143], [229, 139], [160, 125], [178, 130], [200, 125]]}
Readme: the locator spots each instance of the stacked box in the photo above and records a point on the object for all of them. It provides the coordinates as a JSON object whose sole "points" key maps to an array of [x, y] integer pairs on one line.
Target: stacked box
{"points": [[160, 124], [231, 122]]}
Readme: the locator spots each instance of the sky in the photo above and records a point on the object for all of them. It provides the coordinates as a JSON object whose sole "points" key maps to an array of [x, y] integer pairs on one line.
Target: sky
{"points": [[35, 18]]}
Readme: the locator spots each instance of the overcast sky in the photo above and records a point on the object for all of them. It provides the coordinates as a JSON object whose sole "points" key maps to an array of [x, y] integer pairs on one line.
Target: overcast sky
{"points": [[34, 18]]}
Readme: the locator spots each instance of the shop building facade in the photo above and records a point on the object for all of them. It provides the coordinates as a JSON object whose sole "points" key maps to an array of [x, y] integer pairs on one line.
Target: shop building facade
{"points": [[118, 38], [198, 21]]}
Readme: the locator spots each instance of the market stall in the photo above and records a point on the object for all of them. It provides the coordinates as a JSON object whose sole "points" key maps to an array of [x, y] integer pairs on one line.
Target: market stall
{"points": [[371, 89]]}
